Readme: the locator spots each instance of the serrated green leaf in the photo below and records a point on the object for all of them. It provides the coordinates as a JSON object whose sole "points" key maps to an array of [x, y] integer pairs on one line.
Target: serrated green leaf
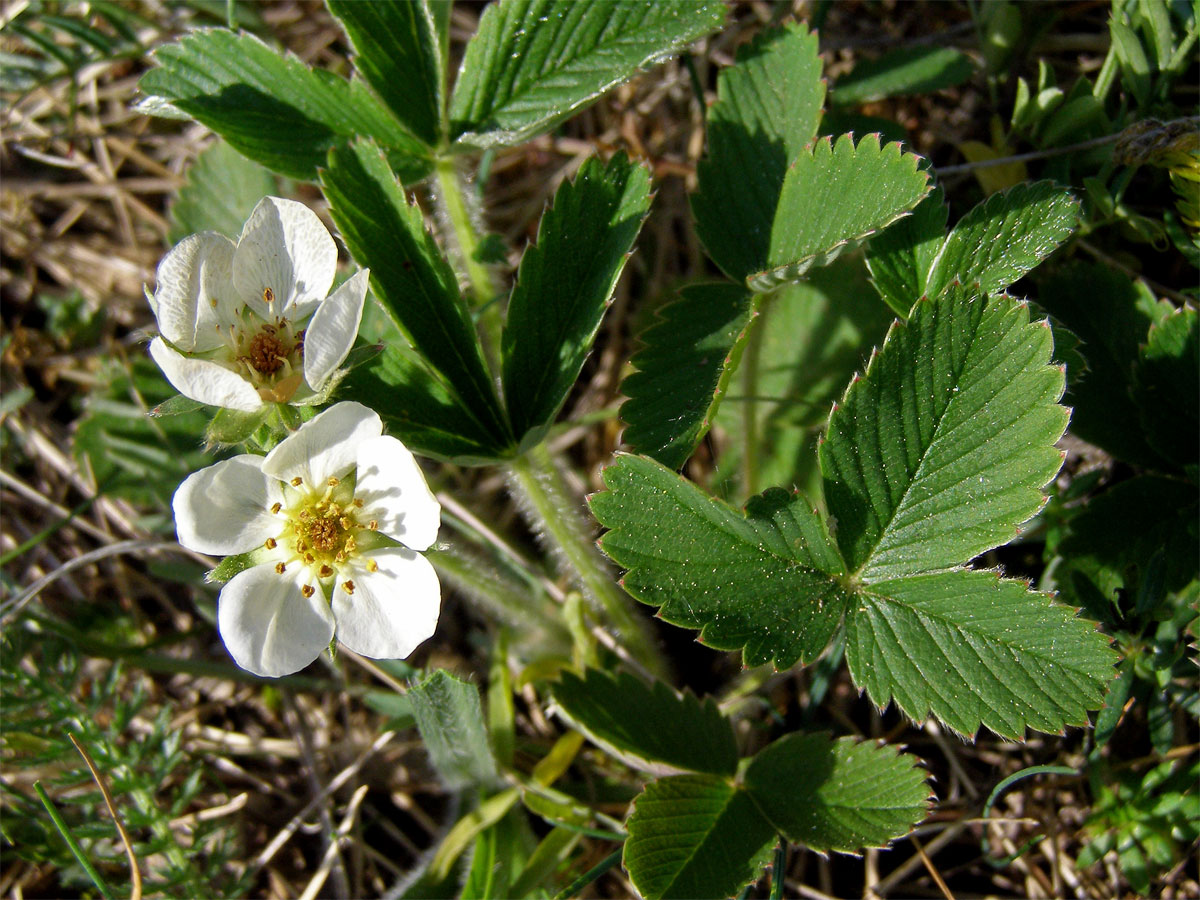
{"points": [[648, 723], [760, 583], [1165, 388], [273, 109], [683, 369], [1004, 237], [221, 189], [694, 837], [974, 649], [837, 795], [941, 449], [418, 408], [450, 719], [412, 279], [564, 284], [834, 196], [907, 70], [767, 110], [398, 52], [901, 257], [534, 63]]}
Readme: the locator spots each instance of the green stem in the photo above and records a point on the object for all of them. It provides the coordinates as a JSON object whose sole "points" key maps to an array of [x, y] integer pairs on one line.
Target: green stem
{"points": [[748, 370], [76, 850], [554, 511], [453, 201]]}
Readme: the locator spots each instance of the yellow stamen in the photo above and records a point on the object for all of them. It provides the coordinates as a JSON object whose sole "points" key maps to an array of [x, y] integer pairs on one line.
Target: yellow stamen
{"points": [[308, 590], [280, 567], [372, 566], [348, 586], [324, 571], [275, 508], [297, 481]]}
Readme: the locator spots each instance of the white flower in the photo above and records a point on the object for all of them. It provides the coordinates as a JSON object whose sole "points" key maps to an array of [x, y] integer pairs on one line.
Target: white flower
{"points": [[250, 323], [337, 512]]}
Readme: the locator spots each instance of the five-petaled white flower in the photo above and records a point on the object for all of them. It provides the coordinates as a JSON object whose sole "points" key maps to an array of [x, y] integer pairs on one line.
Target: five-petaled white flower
{"points": [[337, 512], [248, 323]]}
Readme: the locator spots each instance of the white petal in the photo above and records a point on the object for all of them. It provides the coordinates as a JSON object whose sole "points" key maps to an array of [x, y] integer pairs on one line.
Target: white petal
{"points": [[269, 627], [325, 446], [204, 380], [194, 280], [394, 493], [284, 247], [225, 508], [392, 609], [332, 329]]}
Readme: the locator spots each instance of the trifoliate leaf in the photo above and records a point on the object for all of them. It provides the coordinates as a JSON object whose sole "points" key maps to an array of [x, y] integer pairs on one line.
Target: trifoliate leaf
{"points": [[837, 795], [412, 279], [695, 837], [941, 449], [534, 63], [901, 256], [835, 196], [766, 113], [274, 109], [397, 50], [1004, 237], [651, 726], [221, 189], [764, 583], [908, 70], [565, 283], [683, 370], [450, 719], [972, 648]]}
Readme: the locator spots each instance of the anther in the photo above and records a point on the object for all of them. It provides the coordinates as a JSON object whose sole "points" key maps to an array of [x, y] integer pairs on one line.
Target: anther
{"points": [[268, 296], [358, 504], [333, 481], [308, 590], [280, 567], [276, 507], [270, 543], [297, 481], [324, 571], [372, 525], [345, 523], [372, 566], [348, 586]]}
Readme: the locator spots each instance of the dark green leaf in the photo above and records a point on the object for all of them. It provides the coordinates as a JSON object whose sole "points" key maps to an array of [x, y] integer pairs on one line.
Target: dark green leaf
{"points": [[763, 583], [834, 197], [221, 190], [1004, 237], [565, 283], [1165, 388], [939, 452], [534, 63], [272, 108], [684, 369], [398, 52], [450, 719], [837, 795], [650, 723], [901, 257], [767, 110], [972, 648], [907, 70], [693, 837], [411, 278]]}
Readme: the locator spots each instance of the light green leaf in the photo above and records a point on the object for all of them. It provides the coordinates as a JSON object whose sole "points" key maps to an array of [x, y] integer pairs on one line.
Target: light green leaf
{"points": [[974, 649], [398, 52], [695, 837], [450, 719], [837, 795], [534, 63], [273, 109], [901, 257], [221, 189], [941, 449], [648, 725], [683, 370], [763, 583], [411, 278], [907, 70], [835, 196], [565, 283], [1004, 237], [767, 110]]}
